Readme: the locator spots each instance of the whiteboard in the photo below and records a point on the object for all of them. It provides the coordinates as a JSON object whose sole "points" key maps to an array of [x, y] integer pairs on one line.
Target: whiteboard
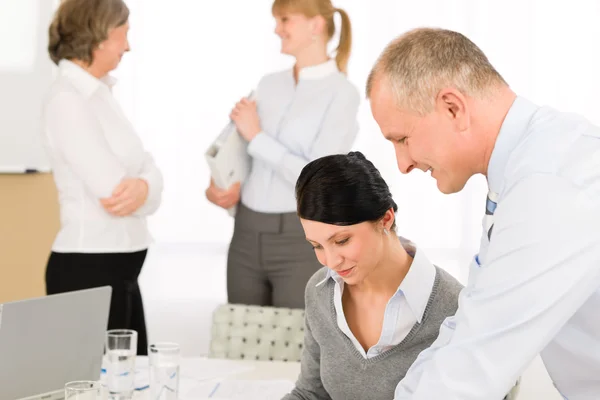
{"points": [[26, 73]]}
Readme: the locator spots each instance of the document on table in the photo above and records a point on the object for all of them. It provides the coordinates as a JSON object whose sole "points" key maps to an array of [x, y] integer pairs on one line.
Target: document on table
{"points": [[208, 369], [239, 390], [193, 371]]}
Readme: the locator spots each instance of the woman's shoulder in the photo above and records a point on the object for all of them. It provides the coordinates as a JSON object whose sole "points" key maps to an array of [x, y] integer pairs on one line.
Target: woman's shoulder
{"points": [[447, 283], [318, 276], [275, 77], [345, 88], [61, 93], [316, 282]]}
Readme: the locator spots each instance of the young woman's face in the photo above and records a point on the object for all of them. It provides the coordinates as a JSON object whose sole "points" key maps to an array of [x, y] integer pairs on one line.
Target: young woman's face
{"points": [[295, 30], [352, 251]]}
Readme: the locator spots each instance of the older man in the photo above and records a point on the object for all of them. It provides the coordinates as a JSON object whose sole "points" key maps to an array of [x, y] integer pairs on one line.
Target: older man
{"points": [[535, 284]]}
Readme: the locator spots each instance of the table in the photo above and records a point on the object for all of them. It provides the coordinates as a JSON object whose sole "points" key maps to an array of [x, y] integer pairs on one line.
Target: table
{"points": [[209, 369], [534, 385]]}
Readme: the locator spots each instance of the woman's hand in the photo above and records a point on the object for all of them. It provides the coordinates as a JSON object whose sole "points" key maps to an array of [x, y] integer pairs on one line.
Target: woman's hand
{"points": [[225, 198], [246, 119], [127, 197]]}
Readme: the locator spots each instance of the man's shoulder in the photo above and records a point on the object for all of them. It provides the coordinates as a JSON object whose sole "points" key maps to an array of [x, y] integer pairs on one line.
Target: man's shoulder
{"points": [[556, 143]]}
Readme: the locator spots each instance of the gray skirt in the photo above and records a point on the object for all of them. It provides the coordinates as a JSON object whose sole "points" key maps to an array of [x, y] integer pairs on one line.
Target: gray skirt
{"points": [[269, 260]]}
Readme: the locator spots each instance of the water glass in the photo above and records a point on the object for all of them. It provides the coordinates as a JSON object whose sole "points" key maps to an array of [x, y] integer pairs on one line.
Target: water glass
{"points": [[164, 371], [84, 390], [121, 349]]}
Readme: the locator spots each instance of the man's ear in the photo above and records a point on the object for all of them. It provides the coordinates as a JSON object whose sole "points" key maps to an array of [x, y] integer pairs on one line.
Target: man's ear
{"points": [[453, 104]]}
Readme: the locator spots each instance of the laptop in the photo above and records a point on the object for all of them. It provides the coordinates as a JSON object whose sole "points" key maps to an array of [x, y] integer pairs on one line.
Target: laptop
{"points": [[48, 341]]}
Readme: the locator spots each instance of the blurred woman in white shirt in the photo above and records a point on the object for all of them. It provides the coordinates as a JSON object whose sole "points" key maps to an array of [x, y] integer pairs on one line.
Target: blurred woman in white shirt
{"points": [[107, 184], [299, 115]]}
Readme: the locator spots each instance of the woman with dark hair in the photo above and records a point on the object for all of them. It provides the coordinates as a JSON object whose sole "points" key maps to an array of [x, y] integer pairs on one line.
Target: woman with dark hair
{"points": [[378, 302]]}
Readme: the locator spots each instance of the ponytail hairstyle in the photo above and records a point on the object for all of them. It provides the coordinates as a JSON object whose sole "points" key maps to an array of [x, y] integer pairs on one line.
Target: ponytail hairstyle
{"points": [[324, 8]]}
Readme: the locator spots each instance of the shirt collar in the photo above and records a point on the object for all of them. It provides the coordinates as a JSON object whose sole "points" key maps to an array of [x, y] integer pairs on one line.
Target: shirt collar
{"points": [[85, 82], [318, 71], [513, 129], [417, 284]]}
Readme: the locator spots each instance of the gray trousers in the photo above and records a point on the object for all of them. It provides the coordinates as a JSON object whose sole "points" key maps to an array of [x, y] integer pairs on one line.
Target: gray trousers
{"points": [[269, 260]]}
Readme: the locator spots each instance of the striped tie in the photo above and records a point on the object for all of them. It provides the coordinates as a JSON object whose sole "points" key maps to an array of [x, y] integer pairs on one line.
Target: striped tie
{"points": [[490, 207]]}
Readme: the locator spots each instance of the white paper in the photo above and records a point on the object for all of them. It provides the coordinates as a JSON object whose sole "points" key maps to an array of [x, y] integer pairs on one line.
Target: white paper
{"points": [[240, 390], [195, 374], [205, 369]]}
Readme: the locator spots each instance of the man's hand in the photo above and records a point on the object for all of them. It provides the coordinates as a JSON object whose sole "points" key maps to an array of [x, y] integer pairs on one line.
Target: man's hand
{"points": [[127, 197]]}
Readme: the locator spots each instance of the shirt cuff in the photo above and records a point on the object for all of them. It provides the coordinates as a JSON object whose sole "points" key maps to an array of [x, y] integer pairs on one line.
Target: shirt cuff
{"points": [[266, 148], [153, 197]]}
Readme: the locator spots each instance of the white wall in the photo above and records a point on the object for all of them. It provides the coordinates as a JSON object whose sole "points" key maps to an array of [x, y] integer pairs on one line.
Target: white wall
{"points": [[25, 74], [191, 61]]}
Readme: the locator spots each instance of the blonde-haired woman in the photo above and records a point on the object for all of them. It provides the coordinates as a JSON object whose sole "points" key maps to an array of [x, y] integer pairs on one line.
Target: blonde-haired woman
{"points": [[299, 115], [107, 183]]}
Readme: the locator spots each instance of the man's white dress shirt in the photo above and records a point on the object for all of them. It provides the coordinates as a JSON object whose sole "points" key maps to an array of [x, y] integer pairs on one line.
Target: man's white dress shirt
{"points": [[535, 284]]}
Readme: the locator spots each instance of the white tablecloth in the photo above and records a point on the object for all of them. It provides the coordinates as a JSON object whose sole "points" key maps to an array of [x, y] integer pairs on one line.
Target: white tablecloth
{"points": [[198, 375]]}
